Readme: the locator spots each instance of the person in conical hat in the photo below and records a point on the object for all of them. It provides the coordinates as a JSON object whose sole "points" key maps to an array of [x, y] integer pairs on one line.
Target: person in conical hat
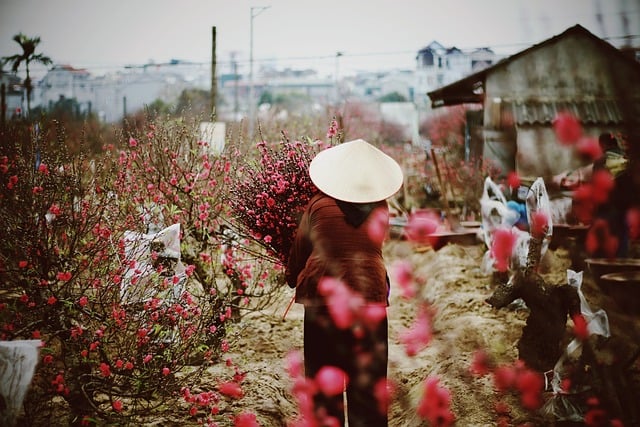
{"points": [[337, 269]]}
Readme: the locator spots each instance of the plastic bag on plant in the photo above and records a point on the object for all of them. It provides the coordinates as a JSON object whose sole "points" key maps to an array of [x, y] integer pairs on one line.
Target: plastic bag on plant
{"points": [[565, 405], [597, 321], [136, 286], [494, 214]]}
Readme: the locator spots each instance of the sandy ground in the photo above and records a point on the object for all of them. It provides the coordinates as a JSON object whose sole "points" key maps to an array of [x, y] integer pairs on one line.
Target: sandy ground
{"points": [[463, 323]]}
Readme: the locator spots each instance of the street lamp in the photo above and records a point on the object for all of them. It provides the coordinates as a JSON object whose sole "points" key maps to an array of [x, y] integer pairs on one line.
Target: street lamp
{"points": [[255, 11]]}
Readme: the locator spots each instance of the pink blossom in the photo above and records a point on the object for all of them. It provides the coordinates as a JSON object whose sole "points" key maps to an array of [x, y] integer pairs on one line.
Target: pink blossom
{"points": [[384, 391], [504, 377], [331, 380], [64, 276], [502, 246], [133, 142], [513, 180], [378, 226], [419, 334], [589, 148], [421, 226], [580, 327], [231, 389], [105, 369], [567, 128], [402, 271], [539, 224], [480, 366], [245, 419], [633, 223], [294, 364], [435, 405], [344, 305]]}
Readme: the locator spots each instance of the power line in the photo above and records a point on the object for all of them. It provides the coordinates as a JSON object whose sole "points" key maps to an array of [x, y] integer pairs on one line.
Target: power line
{"points": [[344, 56]]}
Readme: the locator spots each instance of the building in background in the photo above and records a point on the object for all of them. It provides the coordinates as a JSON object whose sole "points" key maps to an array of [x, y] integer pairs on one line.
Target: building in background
{"points": [[437, 66], [574, 71], [12, 96]]}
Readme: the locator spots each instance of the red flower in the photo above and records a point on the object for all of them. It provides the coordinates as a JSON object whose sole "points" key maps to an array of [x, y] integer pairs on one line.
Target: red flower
{"points": [[64, 276], [231, 389], [633, 223], [502, 245], [580, 329], [589, 148], [504, 378], [245, 419], [530, 384], [419, 335], [105, 369], [513, 180], [567, 128], [435, 405], [421, 226], [331, 380], [539, 224], [117, 405], [480, 366]]}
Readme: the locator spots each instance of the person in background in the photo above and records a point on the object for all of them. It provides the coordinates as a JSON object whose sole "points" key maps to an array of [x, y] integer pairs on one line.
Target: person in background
{"points": [[610, 216], [613, 158], [338, 239]]}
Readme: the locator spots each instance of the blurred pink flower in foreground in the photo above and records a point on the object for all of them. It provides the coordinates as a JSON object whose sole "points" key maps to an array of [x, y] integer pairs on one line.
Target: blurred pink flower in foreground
{"points": [[502, 247], [435, 405], [567, 128], [418, 335], [331, 380], [421, 226]]}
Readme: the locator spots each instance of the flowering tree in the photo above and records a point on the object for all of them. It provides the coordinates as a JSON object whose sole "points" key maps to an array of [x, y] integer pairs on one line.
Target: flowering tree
{"points": [[267, 197], [122, 319]]}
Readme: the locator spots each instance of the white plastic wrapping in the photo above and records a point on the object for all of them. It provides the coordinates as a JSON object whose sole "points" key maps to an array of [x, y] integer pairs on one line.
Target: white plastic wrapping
{"points": [[18, 360], [138, 251]]}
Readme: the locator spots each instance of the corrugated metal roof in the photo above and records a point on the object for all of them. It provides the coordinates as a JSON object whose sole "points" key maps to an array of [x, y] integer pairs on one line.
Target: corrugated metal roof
{"points": [[595, 111]]}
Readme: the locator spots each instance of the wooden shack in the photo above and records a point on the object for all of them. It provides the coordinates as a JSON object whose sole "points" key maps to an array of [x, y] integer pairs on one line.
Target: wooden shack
{"points": [[521, 95]]}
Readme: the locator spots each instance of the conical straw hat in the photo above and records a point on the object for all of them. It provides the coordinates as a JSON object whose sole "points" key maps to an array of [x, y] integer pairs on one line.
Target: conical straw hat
{"points": [[357, 172]]}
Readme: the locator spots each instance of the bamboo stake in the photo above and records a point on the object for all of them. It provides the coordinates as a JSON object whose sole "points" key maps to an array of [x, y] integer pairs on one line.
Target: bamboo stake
{"points": [[452, 222]]}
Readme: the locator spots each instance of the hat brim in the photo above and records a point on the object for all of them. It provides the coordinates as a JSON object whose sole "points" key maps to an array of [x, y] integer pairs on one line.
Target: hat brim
{"points": [[356, 172]]}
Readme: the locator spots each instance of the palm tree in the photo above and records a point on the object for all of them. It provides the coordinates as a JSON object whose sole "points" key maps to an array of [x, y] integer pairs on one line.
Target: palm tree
{"points": [[28, 56]]}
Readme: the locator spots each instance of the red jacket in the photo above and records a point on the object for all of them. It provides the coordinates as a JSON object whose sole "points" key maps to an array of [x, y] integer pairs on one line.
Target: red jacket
{"points": [[327, 245]]}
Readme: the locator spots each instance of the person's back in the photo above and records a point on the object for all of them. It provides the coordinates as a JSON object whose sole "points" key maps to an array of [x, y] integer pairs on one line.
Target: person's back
{"points": [[342, 250]]}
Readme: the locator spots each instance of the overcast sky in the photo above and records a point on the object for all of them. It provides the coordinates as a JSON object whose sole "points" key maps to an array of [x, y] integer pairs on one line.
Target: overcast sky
{"points": [[104, 35]]}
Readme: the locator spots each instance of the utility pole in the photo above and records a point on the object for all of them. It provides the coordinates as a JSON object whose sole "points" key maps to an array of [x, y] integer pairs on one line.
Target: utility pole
{"points": [[255, 11], [234, 71], [338, 55], [214, 80]]}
